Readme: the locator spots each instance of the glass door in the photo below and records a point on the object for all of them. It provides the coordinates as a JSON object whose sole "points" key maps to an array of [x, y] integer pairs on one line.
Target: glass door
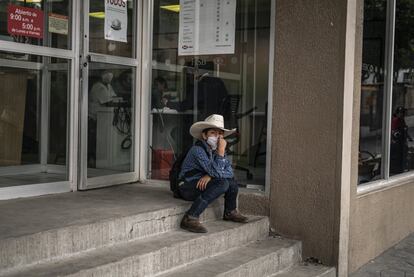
{"points": [[109, 70]]}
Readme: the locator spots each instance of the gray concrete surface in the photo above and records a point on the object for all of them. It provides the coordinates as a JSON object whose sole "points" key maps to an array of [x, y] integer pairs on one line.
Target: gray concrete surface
{"points": [[38, 229], [397, 261], [253, 202], [308, 270], [261, 258], [33, 215], [131, 230], [155, 254]]}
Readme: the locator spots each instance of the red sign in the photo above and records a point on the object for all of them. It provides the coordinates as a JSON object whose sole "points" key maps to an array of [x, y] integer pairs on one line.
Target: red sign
{"points": [[24, 21]]}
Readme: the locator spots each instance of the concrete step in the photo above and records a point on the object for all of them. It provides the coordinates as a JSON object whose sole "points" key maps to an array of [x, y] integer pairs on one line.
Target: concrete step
{"points": [[154, 254], [81, 235], [260, 258], [307, 270]]}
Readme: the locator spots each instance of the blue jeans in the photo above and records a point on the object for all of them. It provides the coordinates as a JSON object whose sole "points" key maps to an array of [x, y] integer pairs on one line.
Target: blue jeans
{"points": [[214, 189]]}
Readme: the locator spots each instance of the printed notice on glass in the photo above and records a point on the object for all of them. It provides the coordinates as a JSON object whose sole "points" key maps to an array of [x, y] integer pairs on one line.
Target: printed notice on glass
{"points": [[207, 27], [58, 24], [22, 21], [116, 20]]}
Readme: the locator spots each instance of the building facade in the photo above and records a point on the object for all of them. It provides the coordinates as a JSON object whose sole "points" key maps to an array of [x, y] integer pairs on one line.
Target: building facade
{"points": [[101, 93]]}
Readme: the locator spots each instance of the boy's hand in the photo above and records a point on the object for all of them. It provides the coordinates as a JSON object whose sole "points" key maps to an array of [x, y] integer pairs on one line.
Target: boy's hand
{"points": [[221, 146], [202, 183]]}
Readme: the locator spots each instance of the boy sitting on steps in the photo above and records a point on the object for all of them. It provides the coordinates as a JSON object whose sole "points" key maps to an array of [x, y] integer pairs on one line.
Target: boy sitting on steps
{"points": [[206, 174]]}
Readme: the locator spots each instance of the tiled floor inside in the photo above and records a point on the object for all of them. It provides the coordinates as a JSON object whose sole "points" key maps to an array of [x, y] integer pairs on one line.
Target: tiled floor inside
{"points": [[22, 179], [28, 179]]}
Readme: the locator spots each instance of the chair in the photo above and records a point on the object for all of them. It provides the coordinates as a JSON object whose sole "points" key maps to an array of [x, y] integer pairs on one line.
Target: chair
{"points": [[262, 139], [232, 117]]}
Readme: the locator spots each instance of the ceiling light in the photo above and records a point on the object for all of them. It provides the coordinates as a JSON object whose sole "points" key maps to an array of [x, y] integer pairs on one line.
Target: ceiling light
{"points": [[100, 15], [30, 1], [172, 8], [38, 1]]}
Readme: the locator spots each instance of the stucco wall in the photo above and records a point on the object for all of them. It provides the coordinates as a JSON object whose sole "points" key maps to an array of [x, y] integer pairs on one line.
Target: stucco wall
{"points": [[307, 118], [380, 220], [253, 203]]}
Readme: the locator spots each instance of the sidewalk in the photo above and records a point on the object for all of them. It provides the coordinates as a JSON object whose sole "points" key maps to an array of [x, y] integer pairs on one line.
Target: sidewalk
{"points": [[397, 261]]}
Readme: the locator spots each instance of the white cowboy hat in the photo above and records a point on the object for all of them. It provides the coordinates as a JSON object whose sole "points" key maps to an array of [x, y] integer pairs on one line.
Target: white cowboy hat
{"points": [[213, 121]]}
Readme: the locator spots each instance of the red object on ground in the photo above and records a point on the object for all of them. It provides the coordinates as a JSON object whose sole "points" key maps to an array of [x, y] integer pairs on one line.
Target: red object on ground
{"points": [[162, 161], [22, 21]]}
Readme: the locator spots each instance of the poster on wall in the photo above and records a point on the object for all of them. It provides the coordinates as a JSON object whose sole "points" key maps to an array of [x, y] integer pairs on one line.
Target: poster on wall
{"points": [[26, 22], [116, 20], [58, 24], [207, 27]]}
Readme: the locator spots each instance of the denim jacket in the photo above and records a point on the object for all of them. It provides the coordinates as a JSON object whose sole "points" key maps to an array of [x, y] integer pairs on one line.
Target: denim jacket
{"points": [[202, 160]]}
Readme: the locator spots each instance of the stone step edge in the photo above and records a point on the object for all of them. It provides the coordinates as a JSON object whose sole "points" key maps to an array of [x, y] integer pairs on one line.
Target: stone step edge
{"points": [[285, 255], [260, 230], [307, 270], [69, 240]]}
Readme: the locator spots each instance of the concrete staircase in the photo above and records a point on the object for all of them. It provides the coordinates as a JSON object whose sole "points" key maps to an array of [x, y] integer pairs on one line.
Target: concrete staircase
{"points": [[150, 243]]}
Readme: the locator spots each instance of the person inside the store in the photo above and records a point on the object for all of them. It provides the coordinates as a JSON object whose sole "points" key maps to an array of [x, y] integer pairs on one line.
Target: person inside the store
{"points": [[100, 95], [212, 94], [159, 99], [399, 141], [123, 85], [206, 174]]}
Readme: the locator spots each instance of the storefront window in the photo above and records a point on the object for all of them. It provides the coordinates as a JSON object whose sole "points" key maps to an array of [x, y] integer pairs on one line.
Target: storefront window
{"points": [[387, 101], [402, 121], [213, 58], [42, 22], [372, 91], [33, 119]]}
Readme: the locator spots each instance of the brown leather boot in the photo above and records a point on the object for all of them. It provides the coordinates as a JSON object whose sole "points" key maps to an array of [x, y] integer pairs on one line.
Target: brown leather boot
{"points": [[235, 216], [192, 224]]}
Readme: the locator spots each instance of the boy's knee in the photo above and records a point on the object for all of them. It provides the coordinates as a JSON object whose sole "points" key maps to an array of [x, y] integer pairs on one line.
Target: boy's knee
{"points": [[222, 184]]}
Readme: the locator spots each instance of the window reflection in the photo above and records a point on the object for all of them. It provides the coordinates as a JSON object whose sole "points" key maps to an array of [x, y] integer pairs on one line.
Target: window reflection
{"points": [[186, 89], [372, 91], [402, 122], [401, 155], [33, 120], [110, 119]]}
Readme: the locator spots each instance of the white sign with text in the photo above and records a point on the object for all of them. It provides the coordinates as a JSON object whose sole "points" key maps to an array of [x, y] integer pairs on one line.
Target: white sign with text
{"points": [[116, 20], [207, 27]]}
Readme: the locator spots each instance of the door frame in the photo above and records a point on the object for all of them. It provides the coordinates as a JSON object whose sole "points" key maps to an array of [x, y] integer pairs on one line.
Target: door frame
{"points": [[75, 94], [71, 55], [86, 57]]}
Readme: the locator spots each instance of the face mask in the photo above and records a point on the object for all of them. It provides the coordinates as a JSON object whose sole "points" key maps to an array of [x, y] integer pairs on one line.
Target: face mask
{"points": [[212, 141]]}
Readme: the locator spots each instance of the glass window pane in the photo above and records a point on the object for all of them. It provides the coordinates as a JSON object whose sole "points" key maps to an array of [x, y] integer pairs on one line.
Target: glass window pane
{"points": [[117, 24], [186, 89], [42, 22], [33, 119], [58, 119], [372, 91], [402, 122], [110, 119]]}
